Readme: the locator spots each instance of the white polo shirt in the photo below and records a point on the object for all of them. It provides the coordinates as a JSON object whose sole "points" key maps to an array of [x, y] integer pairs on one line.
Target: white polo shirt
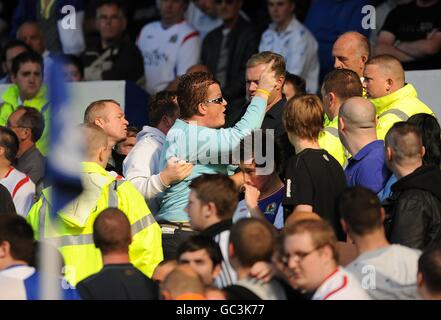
{"points": [[340, 285], [21, 188], [167, 52], [299, 48]]}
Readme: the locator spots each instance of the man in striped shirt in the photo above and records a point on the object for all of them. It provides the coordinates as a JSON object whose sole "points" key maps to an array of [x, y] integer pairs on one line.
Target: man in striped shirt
{"points": [[19, 185]]}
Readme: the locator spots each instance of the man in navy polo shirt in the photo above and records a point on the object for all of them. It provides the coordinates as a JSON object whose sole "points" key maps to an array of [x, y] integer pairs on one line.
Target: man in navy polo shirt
{"points": [[356, 129]]}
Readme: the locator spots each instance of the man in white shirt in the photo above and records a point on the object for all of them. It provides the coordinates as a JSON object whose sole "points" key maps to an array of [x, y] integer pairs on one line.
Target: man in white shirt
{"points": [[202, 15], [386, 272], [311, 254], [288, 37], [141, 165], [19, 185], [169, 47]]}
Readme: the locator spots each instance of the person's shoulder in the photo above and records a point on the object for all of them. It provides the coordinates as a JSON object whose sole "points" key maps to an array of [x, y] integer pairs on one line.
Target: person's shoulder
{"points": [[150, 27]]}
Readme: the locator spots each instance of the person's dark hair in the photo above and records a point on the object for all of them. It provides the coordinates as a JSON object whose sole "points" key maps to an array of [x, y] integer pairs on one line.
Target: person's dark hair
{"points": [[431, 134], [297, 82], [198, 242], [162, 104], [253, 240], [9, 141], [248, 148], [6, 204], [344, 83], [192, 90], [361, 209], [72, 59], [405, 140], [112, 231], [32, 119], [15, 230], [429, 265], [220, 190], [117, 3], [24, 57], [13, 43]]}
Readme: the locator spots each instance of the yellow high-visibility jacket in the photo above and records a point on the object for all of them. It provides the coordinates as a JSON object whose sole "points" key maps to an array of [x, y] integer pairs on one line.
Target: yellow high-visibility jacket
{"points": [[329, 140], [73, 230], [10, 103], [397, 106]]}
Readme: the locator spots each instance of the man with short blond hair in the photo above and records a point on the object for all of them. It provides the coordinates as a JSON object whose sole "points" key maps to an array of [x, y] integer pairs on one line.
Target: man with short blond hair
{"points": [[394, 99]]}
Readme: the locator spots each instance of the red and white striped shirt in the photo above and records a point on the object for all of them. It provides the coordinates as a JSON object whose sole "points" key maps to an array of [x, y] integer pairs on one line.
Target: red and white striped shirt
{"points": [[21, 188], [340, 285]]}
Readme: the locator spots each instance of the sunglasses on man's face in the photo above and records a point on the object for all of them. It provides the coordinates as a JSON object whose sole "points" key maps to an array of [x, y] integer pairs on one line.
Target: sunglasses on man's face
{"points": [[219, 100], [230, 2]]}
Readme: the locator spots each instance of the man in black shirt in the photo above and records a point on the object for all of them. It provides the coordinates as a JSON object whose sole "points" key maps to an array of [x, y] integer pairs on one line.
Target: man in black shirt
{"points": [[412, 33], [115, 57], [314, 179], [276, 101], [119, 279]]}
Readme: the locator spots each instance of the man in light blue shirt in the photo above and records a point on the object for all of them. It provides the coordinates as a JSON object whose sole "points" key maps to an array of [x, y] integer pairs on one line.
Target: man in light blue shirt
{"points": [[196, 138]]}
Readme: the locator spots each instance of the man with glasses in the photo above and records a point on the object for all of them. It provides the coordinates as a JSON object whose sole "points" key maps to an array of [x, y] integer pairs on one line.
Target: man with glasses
{"points": [[311, 255], [290, 38], [114, 57], [197, 139], [28, 124]]}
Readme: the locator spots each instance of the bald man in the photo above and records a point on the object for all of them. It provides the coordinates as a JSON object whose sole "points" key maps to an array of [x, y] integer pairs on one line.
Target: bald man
{"points": [[108, 115], [357, 131], [394, 100], [414, 209], [183, 283], [351, 51]]}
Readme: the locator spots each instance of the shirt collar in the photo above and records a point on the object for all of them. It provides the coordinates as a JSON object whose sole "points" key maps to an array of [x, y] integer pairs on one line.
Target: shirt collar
{"points": [[368, 148]]}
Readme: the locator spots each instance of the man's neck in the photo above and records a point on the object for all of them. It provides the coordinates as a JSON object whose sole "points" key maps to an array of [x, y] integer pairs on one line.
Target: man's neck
{"points": [[243, 273], [274, 184], [167, 23], [370, 242], [7, 263], [302, 144], [401, 171], [282, 26], [5, 166], [359, 141], [274, 101], [116, 258], [229, 24], [24, 146], [107, 43]]}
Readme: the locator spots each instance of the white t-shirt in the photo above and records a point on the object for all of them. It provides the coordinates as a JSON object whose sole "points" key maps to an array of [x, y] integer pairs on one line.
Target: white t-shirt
{"points": [[21, 188], [340, 285], [388, 273], [167, 53], [299, 48]]}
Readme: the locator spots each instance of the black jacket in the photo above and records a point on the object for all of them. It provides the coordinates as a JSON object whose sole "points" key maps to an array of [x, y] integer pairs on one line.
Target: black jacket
{"points": [[243, 42], [414, 209]]}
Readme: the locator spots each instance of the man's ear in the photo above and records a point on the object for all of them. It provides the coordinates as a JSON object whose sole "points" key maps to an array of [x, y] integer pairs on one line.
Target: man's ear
{"points": [[389, 84], [341, 124], [420, 280], [344, 225], [5, 249], [202, 108], [216, 270], [423, 151], [230, 250], [102, 154], [389, 153], [382, 214], [280, 83], [13, 78], [99, 122], [211, 209]]}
